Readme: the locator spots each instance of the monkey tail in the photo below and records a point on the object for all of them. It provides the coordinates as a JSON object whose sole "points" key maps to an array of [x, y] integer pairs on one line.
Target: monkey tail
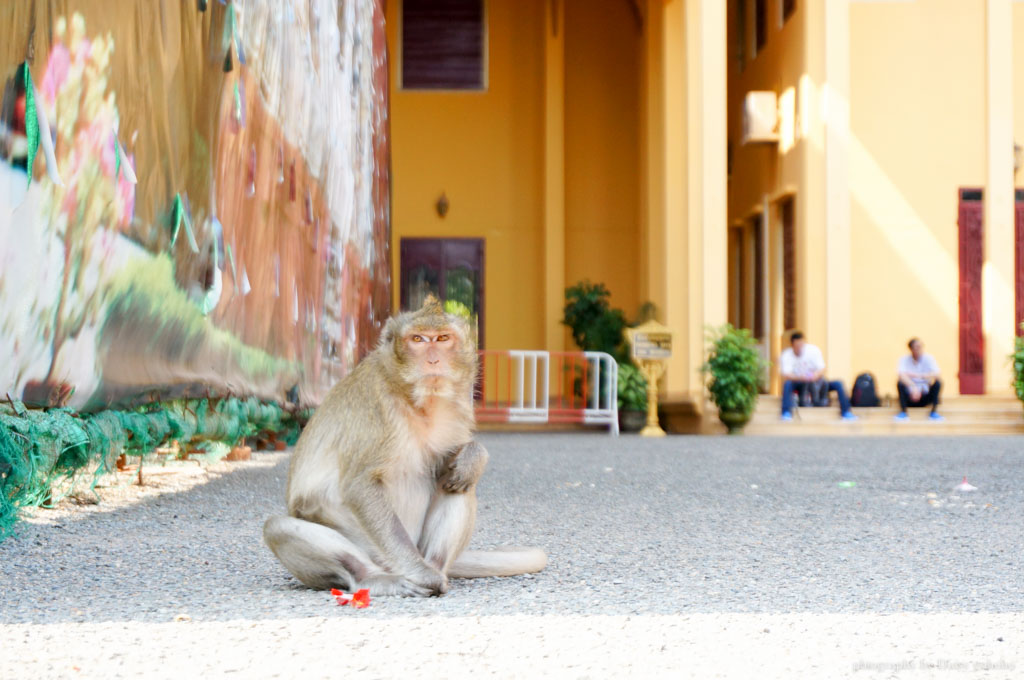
{"points": [[507, 561]]}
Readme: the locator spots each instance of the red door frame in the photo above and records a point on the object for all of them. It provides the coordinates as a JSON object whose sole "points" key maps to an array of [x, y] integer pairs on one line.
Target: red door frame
{"points": [[1018, 214], [971, 237]]}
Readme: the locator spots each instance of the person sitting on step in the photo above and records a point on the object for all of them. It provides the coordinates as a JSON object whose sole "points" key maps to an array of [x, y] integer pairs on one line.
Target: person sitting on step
{"points": [[802, 367], [919, 383]]}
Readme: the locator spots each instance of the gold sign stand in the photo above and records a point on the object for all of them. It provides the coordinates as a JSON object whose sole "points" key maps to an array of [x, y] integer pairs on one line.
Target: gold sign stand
{"points": [[651, 345]]}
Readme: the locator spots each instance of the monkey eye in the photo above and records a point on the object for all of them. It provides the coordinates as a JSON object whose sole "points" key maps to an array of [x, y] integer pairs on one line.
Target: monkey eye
{"points": [[443, 338], [417, 338]]}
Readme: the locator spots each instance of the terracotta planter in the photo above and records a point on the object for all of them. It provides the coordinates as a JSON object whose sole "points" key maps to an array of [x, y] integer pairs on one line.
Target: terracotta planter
{"points": [[632, 421], [734, 420], [239, 453]]}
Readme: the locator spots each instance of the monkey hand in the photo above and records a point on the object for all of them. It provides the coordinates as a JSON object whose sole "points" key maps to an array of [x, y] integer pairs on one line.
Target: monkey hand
{"points": [[463, 468]]}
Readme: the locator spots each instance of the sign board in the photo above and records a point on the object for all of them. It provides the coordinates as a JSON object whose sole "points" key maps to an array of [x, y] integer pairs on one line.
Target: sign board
{"points": [[652, 345], [650, 341]]}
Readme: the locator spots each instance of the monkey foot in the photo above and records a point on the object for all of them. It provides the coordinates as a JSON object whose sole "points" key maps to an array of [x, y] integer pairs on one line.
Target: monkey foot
{"points": [[389, 584]]}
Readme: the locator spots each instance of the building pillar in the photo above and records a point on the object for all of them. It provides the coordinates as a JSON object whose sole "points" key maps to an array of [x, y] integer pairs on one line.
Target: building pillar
{"points": [[707, 209], [823, 211], [668, 188], [652, 261], [999, 271], [554, 174], [838, 296]]}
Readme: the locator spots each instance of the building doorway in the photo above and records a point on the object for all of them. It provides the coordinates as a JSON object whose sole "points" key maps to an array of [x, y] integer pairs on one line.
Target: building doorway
{"points": [[451, 269], [787, 214], [971, 230]]}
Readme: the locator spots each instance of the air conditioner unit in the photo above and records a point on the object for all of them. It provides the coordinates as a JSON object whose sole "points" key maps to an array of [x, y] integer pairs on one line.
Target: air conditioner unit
{"points": [[760, 118]]}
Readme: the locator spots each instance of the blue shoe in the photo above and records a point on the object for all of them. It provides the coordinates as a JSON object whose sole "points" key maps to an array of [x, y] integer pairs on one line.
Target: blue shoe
{"points": [[901, 417], [849, 417], [786, 417], [935, 417]]}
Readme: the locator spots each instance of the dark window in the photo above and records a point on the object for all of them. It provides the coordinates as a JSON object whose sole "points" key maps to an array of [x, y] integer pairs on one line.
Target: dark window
{"points": [[788, 7], [741, 32], [761, 19], [443, 44]]}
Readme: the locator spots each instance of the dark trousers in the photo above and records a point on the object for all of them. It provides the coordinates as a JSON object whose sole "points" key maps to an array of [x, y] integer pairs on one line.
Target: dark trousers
{"points": [[929, 398], [790, 387]]}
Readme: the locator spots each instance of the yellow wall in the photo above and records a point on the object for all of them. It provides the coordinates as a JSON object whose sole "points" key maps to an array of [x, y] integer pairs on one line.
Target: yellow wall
{"points": [[603, 43], [1018, 83], [485, 151], [635, 151], [918, 122], [761, 170]]}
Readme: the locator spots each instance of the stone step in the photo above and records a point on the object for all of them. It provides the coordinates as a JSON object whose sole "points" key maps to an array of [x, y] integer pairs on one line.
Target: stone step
{"points": [[963, 414], [887, 413], [1007, 406], [872, 428]]}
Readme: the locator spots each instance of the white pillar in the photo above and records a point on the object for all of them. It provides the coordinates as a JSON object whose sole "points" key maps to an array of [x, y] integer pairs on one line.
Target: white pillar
{"points": [[998, 272], [837, 190]]}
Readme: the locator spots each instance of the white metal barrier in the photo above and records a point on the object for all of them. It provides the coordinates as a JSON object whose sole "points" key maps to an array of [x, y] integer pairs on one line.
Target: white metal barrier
{"points": [[534, 386]]}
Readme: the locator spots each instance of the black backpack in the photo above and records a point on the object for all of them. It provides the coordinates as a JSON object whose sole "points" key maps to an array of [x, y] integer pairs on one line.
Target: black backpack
{"points": [[815, 393], [864, 391]]}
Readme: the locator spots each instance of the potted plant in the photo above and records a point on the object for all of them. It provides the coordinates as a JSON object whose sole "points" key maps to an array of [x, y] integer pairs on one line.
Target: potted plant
{"points": [[1018, 366], [594, 324], [597, 326], [734, 366], [632, 398]]}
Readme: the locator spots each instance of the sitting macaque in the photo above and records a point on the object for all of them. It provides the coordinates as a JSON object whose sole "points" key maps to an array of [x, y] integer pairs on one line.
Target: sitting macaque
{"points": [[382, 485]]}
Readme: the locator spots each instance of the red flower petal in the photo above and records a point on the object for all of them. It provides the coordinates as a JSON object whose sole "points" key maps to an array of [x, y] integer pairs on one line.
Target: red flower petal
{"points": [[336, 592], [361, 599]]}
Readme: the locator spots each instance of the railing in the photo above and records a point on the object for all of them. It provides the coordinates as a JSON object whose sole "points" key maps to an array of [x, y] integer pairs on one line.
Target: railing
{"points": [[533, 386]]}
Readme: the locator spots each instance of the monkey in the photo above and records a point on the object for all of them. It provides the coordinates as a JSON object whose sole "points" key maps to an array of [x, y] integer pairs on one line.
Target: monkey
{"points": [[382, 482]]}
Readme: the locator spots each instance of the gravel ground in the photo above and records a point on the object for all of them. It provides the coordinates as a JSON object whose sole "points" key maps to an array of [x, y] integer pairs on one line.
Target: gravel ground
{"points": [[682, 557]]}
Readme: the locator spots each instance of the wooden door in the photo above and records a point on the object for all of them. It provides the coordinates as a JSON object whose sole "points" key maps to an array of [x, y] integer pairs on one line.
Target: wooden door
{"points": [[971, 247], [760, 280], [452, 269], [788, 214], [735, 246]]}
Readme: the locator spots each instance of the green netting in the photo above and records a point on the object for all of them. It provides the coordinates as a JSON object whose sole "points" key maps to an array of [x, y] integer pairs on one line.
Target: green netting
{"points": [[41, 449]]}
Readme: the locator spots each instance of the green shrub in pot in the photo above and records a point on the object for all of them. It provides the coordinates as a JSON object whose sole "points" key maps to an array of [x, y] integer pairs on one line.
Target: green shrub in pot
{"points": [[632, 398], [734, 367]]}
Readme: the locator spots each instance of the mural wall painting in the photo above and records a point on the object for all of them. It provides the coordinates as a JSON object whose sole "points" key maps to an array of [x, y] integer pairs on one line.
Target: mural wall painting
{"points": [[210, 212]]}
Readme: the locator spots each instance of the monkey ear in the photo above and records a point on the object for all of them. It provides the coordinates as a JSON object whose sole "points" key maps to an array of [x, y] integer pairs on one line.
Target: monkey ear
{"points": [[387, 336]]}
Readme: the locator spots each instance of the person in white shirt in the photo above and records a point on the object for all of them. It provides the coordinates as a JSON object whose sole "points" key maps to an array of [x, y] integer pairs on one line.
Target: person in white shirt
{"points": [[919, 383], [802, 365]]}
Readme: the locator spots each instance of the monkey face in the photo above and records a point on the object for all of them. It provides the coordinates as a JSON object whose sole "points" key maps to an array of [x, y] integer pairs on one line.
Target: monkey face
{"points": [[432, 351]]}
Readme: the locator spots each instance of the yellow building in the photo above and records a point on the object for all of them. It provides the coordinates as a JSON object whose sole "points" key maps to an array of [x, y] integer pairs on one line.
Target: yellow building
{"points": [[536, 143]]}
